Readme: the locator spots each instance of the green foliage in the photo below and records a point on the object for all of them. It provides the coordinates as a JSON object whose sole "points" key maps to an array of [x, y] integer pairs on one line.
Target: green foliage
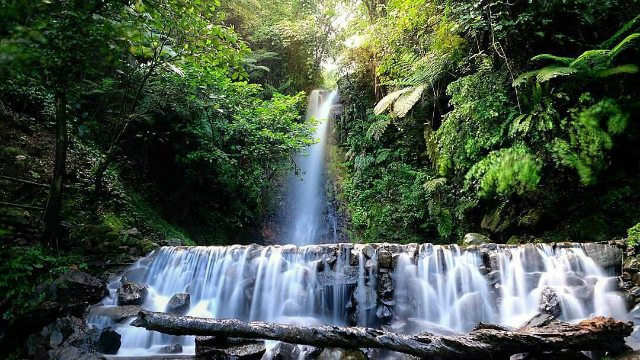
{"points": [[446, 73], [634, 235], [507, 171], [26, 267], [591, 134]]}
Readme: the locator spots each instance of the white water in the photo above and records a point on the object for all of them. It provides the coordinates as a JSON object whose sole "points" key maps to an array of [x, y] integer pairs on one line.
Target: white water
{"points": [[307, 192], [436, 288]]}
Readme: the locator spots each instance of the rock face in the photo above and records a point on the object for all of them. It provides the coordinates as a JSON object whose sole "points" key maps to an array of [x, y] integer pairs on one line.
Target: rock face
{"points": [[132, 294], [74, 287], [179, 304], [475, 239], [215, 348], [605, 255], [342, 354], [549, 302]]}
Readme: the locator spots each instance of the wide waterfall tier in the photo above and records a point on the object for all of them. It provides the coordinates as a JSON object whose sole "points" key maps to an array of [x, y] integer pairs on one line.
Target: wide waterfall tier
{"points": [[402, 288]]}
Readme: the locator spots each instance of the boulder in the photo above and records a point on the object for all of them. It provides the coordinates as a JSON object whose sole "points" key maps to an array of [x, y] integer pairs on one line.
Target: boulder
{"points": [[605, 255], [179, 304], [550, 302], [384, 259], [171, 349], [286, 351], [475, 239], [109, 342], [342, 354], [74, 287], [132, 294]]}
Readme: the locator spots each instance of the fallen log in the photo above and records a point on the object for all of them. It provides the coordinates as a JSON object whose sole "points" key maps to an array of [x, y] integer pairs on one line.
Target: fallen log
{"points": [[542, 333]]}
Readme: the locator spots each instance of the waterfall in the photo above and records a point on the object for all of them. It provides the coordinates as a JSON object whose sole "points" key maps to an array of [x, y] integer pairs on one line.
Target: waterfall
{"points": [[403, 288], [307, 225]]}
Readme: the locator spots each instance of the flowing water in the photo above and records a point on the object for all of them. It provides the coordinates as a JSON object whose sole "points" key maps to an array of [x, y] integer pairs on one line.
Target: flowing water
{"points": [[402, 288], [307, 225]]}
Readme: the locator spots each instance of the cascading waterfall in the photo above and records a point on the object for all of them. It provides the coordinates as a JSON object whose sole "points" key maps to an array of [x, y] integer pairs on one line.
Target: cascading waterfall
{"points": [[307, 192], [440, 289], [402, 288]]}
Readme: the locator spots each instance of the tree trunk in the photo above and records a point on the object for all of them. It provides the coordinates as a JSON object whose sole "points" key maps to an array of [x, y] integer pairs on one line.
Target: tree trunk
{"points": [[542, 333], [54, 203], [102, 167]]}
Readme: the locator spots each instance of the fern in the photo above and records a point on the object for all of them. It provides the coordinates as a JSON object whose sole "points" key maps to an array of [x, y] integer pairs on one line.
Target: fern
{"points": [[553, 71], [386, 101], [621, 69], [407, 100], [378, 128], [624, 44], [558, 59], [433, 185]]}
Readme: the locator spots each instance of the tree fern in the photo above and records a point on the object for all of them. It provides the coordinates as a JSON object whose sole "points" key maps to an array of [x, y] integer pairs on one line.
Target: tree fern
{"points": [[597, 62], [386, 101], [406, 101]]}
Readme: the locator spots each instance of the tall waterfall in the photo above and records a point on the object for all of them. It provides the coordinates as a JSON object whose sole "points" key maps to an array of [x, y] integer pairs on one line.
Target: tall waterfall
{"points": [[403, 288], [306, 223]]}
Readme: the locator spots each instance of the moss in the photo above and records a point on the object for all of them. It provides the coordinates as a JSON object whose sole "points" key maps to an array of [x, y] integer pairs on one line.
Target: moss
{"points": [[514, 240], [634, 235]]}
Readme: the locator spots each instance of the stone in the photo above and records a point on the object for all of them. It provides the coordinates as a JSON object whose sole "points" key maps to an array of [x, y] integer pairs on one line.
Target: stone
{"points": [[348, 276], [584, 293], [179, 304], [384, 312], [475, 239], [109, 342], [369, 251], [342, 354], [605, 255], [550, 302], [384, 259], [286, 351], [532, 260], [75, 287], [135, 275], [131, 232], [171, 349], [73, 353], [132, 294]]}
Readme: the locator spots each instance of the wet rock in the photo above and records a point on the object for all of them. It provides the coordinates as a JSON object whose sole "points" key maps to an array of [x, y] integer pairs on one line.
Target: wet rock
{"points": [[384, 259], [132, 294], [494, 277], [560, 355], [212, 347], [584, 293], [539, 320], [342, 354], [384, 312], [135, 275], [73, 353], [109, 342], [494, 261], [179, 304], [550, 302], [74, 287], [286, 351], [605, 255], [475, 239], [171, 349], [574, 280], [531, 259], [369, 251], [347, 276]]}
